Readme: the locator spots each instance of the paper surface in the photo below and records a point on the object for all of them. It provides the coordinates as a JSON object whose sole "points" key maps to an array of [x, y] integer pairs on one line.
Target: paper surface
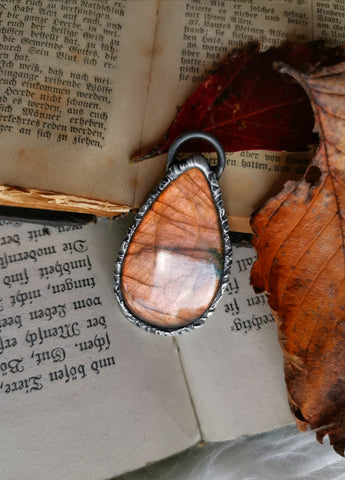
{"points": [[84, 393], [234, 365], [73, 95], [85, 87], [190, 42]]}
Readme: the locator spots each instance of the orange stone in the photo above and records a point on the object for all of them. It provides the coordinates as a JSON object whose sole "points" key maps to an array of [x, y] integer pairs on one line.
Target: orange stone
{"points": [[174, 263]]}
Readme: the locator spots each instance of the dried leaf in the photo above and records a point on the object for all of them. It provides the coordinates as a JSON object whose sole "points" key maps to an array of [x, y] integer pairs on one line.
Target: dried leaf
{"points": [[248, 105], [300, 241]]}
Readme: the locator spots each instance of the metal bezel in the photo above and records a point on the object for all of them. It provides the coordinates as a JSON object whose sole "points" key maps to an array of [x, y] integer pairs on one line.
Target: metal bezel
{"points": [[175, 170]]}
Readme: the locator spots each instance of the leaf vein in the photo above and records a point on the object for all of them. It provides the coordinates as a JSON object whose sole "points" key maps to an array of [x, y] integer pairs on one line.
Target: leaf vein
{"points": [[288, 103], [291, 271]]}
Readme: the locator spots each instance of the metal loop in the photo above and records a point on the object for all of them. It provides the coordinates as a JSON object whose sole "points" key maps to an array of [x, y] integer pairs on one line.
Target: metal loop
{"points": [[198, 135]]}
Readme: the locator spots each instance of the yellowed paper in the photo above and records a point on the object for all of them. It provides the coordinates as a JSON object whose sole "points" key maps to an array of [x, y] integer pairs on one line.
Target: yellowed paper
{"points": [[192, 38], [84, 87], [234, 365], [84, 393], [74, 81]]}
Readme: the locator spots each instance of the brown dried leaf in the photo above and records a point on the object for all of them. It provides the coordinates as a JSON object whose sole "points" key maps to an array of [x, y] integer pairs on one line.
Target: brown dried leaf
{"points": [[300, 239]]}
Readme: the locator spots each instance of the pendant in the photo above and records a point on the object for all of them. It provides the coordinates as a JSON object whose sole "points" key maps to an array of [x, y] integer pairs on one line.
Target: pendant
{"points": [[174, 262]]}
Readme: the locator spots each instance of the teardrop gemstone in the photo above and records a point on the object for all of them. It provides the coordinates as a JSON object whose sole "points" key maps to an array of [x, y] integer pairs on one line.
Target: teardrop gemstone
{"points": [[174, 263]]}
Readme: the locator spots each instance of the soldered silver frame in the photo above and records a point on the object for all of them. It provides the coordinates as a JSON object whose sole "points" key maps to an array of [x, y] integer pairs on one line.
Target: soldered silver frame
{"points": [[174, 171]]}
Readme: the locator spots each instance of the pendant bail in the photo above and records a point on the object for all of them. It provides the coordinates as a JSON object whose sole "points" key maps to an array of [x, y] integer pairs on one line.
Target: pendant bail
{"points": [[198, 135]]}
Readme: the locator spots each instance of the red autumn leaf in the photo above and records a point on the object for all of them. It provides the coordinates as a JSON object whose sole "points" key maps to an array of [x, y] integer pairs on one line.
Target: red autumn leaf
{"points": [[247, 104], [299, 236]]}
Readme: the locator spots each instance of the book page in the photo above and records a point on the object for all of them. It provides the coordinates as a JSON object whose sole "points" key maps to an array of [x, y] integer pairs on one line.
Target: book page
{"points": [[192, 37], [234, 365], [73, 78], [85, 394]]}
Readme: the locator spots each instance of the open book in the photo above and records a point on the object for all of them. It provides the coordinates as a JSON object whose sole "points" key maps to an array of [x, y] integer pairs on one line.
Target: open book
{"points": [[85, 85], [85, 394]]}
